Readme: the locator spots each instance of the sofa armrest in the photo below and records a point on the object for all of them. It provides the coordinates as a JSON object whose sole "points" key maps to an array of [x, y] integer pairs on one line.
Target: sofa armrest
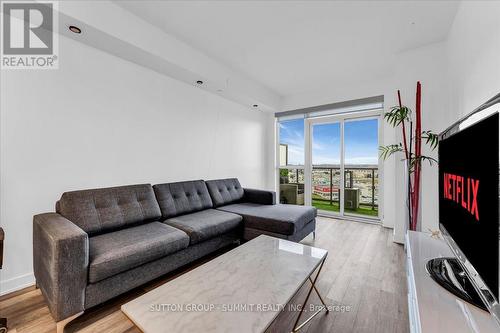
{"points": [[60, 262], [259, 196]]}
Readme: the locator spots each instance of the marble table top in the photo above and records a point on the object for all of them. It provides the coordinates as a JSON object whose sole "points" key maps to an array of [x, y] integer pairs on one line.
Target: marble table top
{"points": [[241, 291]]}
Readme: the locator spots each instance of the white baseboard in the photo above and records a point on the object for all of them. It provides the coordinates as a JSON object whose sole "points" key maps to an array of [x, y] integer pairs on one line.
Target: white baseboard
{"points": [[16, 283]]}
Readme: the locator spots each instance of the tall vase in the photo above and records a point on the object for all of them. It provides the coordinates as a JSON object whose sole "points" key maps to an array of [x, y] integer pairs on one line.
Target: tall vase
{"points": [[401, 225]]}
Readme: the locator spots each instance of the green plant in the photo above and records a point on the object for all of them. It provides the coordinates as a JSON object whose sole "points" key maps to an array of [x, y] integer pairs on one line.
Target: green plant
{"points": [[396, 117], [283, 172]]}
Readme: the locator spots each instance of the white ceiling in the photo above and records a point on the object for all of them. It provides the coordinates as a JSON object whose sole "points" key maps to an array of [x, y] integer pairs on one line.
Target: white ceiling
{"points": [[299, 46]]}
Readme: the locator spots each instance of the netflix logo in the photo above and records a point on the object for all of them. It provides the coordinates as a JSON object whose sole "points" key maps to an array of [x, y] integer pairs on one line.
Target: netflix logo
{"points": [[462, 190]]}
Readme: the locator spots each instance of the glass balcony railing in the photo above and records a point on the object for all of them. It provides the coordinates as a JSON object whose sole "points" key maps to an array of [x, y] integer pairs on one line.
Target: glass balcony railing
{"points": [[292, 186], [360, 189]]}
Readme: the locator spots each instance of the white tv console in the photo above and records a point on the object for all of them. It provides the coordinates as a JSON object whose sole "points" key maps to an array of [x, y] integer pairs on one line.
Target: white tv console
{"points": [[432, 308]]}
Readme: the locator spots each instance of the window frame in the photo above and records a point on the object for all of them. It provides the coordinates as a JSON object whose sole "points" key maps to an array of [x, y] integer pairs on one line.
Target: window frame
{"points": [[372, 112]]}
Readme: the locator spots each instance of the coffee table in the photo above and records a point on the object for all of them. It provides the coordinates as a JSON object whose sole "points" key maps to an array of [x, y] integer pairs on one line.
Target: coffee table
{"points": [[240, 291]]}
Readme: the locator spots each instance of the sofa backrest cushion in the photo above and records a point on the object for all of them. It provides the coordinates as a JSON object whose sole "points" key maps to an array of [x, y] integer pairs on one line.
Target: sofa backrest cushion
{"points": [[225, 191], [182, 197], [101, 210]]}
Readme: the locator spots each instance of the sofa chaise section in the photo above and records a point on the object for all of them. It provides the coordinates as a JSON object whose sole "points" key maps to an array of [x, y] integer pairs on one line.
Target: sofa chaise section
{"points": [[283, 221], [261, 214]]}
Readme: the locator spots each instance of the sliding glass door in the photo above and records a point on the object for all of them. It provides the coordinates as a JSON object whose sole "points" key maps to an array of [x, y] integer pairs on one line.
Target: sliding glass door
{"points": [[341, 170], [325, 173], [361, 167]]}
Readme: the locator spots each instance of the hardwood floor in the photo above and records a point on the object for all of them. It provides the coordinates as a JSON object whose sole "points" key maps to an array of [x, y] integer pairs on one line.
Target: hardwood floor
{"points": [[364, 275]]}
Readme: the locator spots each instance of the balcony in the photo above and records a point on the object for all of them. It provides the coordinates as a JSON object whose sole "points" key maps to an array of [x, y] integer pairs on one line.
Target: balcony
{"points": [[360, 183]]}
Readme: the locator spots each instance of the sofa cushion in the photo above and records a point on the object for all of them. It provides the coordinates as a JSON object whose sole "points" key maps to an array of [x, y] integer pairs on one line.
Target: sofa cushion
{"points": [[182, 197], [119, 251], [282, 219], [225, 191], [205, 224], [105, 209]]}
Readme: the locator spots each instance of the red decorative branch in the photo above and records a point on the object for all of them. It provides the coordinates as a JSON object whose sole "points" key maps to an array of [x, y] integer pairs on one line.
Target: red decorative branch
{"points": [[412, 148], [418, 154]]}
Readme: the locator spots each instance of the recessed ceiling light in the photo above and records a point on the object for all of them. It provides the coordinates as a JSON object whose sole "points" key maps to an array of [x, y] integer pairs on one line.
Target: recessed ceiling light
{"points": [[255, 105], [74, 29], [199, 82]]}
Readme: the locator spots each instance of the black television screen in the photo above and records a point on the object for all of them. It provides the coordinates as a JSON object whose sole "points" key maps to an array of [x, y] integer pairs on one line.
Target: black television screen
{"points": [[469, 194]]}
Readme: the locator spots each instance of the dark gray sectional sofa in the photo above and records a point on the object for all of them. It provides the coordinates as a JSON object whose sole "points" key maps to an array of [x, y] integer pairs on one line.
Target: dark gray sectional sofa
{"points": [[101, 243]]}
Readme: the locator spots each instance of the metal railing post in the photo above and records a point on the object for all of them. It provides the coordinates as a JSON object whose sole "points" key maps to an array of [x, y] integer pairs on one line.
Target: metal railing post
{"points": [[331, 186], [373, 189]]}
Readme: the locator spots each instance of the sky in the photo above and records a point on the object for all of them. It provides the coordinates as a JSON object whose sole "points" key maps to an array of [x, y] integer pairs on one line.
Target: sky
{"points": [[361, 142]]}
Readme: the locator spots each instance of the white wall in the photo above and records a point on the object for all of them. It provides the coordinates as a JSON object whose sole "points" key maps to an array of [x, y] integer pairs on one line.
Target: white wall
{"points": [[101, 121], [473, 53], [426, 64]]}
